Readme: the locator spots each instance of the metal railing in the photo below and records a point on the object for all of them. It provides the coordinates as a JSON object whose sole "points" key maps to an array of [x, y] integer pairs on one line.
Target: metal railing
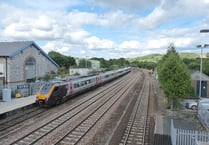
{"points": [[187, 137]]}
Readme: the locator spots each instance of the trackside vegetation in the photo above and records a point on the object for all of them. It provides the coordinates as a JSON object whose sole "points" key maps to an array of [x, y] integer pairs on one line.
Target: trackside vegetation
{"points": [[66, 62], [174, 77]]}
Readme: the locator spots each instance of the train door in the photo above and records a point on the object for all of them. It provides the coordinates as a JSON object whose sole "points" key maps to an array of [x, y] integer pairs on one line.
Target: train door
{"points": [[203, 88], [53, 97], [98, 80]]}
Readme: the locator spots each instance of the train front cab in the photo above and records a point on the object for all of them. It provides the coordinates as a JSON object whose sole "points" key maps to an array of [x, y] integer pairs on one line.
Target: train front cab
{"points": [[44, 93], [58, 94]]}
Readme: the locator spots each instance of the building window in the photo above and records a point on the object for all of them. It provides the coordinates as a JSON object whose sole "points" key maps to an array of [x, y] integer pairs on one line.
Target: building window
{"points": [[30, 68]]}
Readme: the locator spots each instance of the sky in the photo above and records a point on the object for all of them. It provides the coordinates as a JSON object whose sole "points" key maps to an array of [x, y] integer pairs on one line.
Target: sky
{"points": [[109, 29]]}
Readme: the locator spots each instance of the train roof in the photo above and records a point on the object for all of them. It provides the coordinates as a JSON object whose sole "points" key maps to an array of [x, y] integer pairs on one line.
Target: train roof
{"points": [[82, 78]]}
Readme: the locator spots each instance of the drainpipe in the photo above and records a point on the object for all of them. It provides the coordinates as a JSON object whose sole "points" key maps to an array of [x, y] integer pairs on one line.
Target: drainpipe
{"points": [[6, 82]]}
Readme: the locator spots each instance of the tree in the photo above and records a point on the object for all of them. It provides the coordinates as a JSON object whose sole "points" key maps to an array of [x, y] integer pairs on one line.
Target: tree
{"points": [[84, 63], [62, 60], [205, 67], [174, 77]]}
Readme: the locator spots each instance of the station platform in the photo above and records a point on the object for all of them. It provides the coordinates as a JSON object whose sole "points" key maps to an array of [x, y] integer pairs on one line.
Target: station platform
{"points": [[162, 131], [162, 125], [16, 103]]}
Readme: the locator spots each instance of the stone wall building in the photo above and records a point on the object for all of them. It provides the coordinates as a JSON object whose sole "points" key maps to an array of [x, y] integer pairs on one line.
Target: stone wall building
{"points": [[22, 61]]}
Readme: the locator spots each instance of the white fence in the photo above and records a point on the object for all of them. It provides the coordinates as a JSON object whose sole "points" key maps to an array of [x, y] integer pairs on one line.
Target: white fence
{"points": [[187, 137]]}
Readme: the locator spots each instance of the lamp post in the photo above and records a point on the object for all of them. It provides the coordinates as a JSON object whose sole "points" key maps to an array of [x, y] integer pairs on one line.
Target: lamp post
{"points": [[200, 46], [204, 30], [86, 62], [200, 85]]}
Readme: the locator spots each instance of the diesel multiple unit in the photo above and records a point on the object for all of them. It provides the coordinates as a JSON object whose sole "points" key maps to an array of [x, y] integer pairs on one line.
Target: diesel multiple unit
{"points": [[53, 93]]}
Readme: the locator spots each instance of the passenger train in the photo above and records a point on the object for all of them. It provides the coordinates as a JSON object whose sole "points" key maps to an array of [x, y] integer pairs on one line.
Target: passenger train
{"points": [[54, 93]]}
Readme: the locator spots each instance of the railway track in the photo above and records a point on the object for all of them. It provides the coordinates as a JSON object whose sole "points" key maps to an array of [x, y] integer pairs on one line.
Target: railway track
{"points": [[75, 135], [8, 125], [45, 129], [136, 128], [133, 127]]}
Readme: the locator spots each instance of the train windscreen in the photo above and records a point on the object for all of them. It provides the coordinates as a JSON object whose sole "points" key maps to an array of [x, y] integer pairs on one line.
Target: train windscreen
{"points": [[45, 89]]}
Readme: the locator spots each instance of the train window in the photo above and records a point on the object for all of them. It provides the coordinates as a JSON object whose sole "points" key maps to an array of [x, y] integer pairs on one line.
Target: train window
{"points": [[55, 89], [88, 81], [45, 89], [83, 83], [80, 83], [76, 85]]}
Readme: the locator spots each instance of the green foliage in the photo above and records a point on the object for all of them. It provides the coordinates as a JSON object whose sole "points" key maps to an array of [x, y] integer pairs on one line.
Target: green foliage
{"points": [[147, 58], [189, 55], [145, 64], [62, 60], [48, 76], [63, 72], [103, 63], [112, 63], [174, 77], [205, 64], [84, 63]]}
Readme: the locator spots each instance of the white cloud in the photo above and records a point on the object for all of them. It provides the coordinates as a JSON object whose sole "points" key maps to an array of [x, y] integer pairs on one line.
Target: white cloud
{"points": [[117, 19], [206, 1], [128, 4], [44, 4], [94, 42], [151, 21], [129, 31], [75, 35], [133, 44], [78, 18], [44, 23]]}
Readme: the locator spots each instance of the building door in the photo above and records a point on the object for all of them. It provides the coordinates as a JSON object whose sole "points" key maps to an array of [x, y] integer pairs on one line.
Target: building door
{"points": [[203, 88]]}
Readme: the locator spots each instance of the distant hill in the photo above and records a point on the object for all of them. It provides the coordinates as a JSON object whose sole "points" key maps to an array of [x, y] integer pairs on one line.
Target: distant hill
{"points": [[157, 57], [190, 55], [149, 58]]}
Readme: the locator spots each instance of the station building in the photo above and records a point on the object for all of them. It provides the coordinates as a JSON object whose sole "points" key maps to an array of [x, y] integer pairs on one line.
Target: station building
{"points": [[22, 61], [204, 84]]}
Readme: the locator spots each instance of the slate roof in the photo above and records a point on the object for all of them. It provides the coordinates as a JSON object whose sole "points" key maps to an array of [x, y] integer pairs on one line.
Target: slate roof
{"points": [[196, 76], [10, 49]]}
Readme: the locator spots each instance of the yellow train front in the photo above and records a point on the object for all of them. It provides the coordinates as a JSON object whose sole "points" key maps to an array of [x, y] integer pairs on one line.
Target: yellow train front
{"points": [[52, 93]]}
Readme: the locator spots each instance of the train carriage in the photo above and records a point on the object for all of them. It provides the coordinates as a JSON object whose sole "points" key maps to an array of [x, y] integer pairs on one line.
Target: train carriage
{"points": [[107, 76], [83, 84]]}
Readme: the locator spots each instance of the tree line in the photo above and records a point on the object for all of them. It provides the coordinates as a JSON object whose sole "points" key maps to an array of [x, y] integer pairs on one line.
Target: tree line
{"points": [[66, 62]]}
